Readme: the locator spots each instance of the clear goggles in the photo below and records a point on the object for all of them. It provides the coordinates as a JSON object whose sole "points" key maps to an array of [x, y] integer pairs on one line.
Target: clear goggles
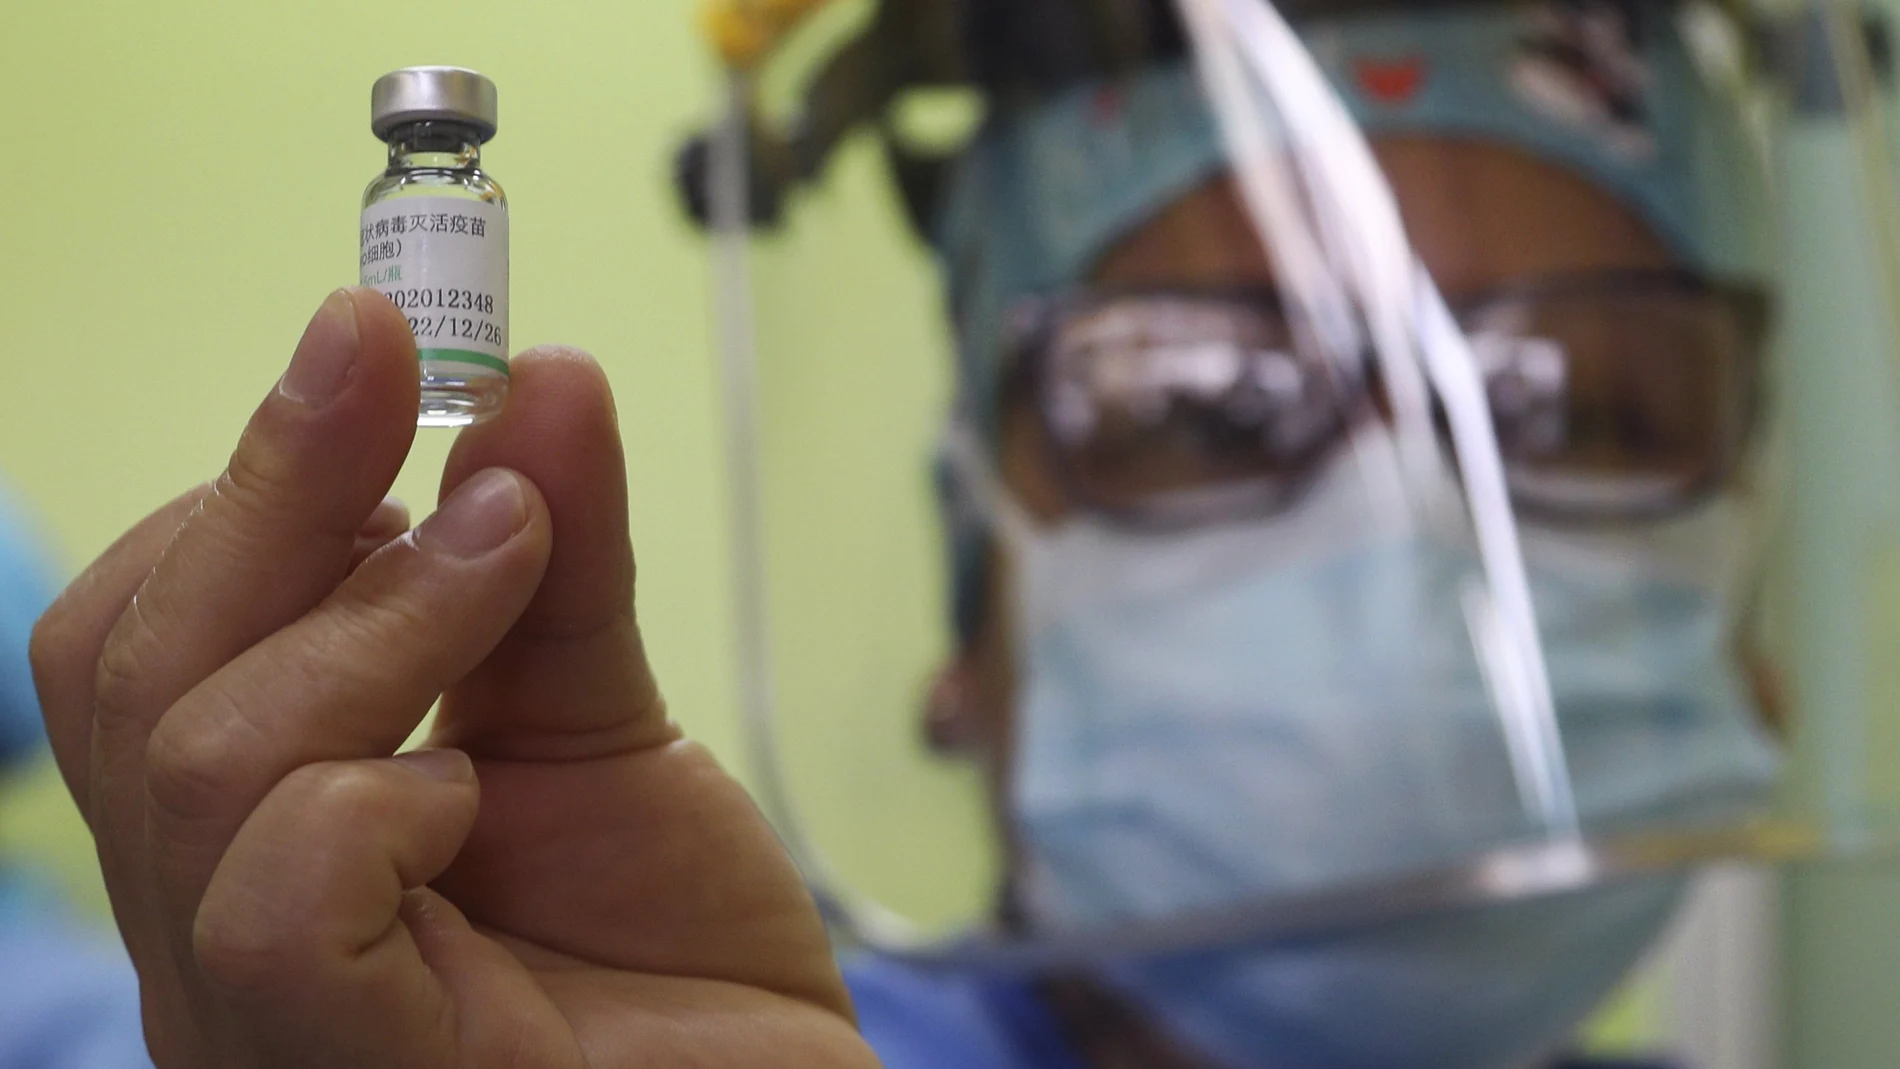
{"points": [[1616, 396]]}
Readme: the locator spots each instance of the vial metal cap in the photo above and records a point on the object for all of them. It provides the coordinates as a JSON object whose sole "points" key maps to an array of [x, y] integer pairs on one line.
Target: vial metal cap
{"points": [[418, 94]]}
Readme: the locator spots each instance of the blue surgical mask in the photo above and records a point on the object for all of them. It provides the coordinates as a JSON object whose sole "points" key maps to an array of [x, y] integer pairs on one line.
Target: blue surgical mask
{"points": [[1214, 717]]}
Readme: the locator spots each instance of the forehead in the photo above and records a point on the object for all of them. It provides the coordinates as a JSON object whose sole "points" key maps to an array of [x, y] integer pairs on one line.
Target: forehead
{"points": [[1479, 214]]}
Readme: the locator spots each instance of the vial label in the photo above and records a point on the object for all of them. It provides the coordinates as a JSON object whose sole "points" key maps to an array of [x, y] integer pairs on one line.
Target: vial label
{"points": [[444, 262]]}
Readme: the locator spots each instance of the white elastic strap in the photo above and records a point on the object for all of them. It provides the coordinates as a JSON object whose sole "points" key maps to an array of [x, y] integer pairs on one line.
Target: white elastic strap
{"points": [[968, 457]]}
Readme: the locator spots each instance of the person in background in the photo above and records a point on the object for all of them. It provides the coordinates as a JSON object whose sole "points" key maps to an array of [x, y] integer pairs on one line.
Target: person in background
{"points": [[1182, 633], [67, 997]]}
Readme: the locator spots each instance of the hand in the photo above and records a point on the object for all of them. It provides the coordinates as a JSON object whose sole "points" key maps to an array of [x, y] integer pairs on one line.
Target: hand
{"points": [[562, 881]]}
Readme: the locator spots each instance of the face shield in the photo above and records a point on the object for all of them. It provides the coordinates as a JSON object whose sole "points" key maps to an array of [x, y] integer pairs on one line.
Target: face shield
{"points": [[1358, 472]]}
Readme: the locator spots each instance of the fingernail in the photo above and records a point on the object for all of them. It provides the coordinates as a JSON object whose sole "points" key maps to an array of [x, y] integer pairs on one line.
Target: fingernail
{"points": [[392, 514], [326, 356], [449, 766], [482, 515]]}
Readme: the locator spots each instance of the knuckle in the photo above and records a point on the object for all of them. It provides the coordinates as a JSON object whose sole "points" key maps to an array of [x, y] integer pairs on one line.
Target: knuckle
{"points": [[120, 676], [369, 626], [195, 767], [344, 795], [243, 948], [257, 475], [265, 480], [49, 651], [115, 682], [258, 928]]}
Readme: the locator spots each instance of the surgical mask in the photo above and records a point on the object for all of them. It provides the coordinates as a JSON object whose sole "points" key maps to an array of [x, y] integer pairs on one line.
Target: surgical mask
{"points": [[1497, 988], [1288, 706]]}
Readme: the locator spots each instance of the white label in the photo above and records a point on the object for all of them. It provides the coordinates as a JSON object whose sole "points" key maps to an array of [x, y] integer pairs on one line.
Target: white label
{"points": [[444, 262]]}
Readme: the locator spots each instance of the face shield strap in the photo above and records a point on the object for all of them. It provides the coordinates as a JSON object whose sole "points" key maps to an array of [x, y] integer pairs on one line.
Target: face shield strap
{"points": [[967, 546], [982, 489]]}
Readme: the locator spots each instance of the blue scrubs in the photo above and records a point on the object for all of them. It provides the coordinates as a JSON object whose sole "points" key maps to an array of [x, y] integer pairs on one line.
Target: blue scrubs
{"points": [[68, 999], [916, 1019], [26, 589], [928, 1020]]}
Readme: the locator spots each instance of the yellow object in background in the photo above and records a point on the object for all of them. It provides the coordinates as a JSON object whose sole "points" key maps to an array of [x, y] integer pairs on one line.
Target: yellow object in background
{"points": [[746, 32]]}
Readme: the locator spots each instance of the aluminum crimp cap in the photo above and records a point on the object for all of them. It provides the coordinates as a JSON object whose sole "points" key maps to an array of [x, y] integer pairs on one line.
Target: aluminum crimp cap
{"points": [[418, 94]]}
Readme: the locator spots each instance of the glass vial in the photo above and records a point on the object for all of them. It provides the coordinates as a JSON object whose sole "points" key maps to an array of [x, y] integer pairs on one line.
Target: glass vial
{"points": [[435, 237]]}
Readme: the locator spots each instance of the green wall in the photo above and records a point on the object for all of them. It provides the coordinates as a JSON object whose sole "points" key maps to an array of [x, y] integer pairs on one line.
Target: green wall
{"points": [[180, 191]]}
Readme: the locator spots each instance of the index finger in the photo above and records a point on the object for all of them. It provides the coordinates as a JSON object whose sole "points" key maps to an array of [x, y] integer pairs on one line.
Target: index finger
{"points": [[571, 681], [271, 540], [68, 639]]}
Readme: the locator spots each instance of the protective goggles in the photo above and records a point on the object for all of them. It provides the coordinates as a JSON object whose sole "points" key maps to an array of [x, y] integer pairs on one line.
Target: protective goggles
{"points": [[1624, 395]]}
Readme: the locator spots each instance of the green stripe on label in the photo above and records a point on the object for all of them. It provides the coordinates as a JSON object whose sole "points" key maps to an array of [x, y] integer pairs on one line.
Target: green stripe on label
{"points": [[463, 356]]}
